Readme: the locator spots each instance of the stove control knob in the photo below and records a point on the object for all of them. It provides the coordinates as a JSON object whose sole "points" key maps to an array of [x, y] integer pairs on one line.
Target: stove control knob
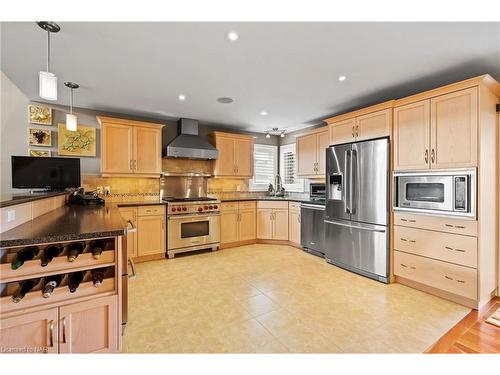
{"points": [[200, 209], [174, 209], [184, 208], [206, 207], [211, 207], [215, 207]]}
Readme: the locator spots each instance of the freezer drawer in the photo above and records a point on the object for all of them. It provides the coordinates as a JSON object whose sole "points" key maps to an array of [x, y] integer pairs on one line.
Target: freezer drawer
{"points": [[358, 247], [312, 227]]}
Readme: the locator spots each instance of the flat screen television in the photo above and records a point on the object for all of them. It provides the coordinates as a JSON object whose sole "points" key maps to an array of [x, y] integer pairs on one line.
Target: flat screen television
{"points": [[29, 172]]}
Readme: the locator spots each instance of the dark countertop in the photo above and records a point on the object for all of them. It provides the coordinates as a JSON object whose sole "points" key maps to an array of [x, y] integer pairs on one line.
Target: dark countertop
{"points": [[66, 223], [285, 199], [13, 199]]}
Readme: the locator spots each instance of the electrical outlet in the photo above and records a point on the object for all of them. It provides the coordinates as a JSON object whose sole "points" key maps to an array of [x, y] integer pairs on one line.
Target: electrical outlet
{"points": [[238, 188], [107, 190], [11, 215], [99, 190]]}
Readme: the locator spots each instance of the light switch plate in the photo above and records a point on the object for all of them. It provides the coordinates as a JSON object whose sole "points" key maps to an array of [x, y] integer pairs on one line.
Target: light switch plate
{"points": [[11, 215]]}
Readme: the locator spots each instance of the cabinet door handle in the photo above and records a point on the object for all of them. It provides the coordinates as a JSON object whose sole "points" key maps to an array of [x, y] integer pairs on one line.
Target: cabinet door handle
{"points": [[64, 330], [426, 157], [412, 221], [459, 227], [403, 239], [460, 281], [433, 155], [131, 167], [357, 130], [132, 266], [448, 225], [298, 218], [352, 131], [403, 265], [448, 277], [51, 333]]}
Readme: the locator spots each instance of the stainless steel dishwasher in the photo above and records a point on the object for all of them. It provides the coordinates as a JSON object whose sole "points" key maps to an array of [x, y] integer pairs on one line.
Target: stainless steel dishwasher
{"points": [[312, 228]]}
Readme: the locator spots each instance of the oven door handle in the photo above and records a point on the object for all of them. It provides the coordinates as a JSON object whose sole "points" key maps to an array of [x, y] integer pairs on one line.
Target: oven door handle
{"points": [[201, 216]]}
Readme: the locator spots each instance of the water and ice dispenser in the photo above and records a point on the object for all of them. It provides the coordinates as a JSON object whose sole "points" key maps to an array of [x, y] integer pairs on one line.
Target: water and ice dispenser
{"points": [[335, 187]]}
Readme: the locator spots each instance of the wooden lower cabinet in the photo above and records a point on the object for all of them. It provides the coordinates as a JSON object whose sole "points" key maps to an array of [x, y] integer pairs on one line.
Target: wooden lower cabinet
{"points": [[294, 224], [34, 332], [246, 225], [81, 327], [238, 222], [272, 224], [229, 227], [89, 326], [151, 235]]}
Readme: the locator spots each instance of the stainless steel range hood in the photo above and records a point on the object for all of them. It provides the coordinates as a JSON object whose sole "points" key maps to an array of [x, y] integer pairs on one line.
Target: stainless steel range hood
{"points": [[188, 144]]}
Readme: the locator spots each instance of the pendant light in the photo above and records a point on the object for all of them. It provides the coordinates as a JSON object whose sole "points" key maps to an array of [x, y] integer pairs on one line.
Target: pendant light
{"points": [[70, 117], [47, 81]]}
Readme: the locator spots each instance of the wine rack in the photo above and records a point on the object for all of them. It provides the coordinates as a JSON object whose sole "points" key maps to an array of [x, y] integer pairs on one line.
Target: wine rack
{"points": [[32, 268], [60, 293]]}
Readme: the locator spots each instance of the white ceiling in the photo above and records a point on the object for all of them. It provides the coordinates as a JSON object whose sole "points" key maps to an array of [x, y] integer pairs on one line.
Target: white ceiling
{"points": [[287, 69]]}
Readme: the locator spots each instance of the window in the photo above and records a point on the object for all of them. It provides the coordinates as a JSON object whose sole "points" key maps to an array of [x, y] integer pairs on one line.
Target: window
{"points": [[288, 169], [265, 164]]}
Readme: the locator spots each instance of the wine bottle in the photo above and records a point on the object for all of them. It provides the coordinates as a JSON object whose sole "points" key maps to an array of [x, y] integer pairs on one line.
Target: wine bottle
{"points": [[74, 249], [24, 287], [50, 253], [98, 276], [50, 283], [75, 279], [26, 253], [97, 247]]}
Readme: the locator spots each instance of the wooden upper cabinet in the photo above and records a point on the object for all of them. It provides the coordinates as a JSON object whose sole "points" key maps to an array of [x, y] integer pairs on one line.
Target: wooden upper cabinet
{"points": [[130, 147], [244, 157], [342, 132], [311, 153], [89, 326], [454, 128], [323, 140], [306, 155], [37, 330], [116, 148], [374, 125], [412, 136], [147, 150], [235, 154]]}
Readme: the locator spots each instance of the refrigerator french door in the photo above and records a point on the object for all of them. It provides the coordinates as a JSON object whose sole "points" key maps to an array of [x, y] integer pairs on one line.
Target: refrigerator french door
{"points": [[357, 207]]}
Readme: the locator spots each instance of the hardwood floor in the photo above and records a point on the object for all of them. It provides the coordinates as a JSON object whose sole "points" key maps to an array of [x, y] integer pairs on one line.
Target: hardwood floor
{"points": [[472, 334]]}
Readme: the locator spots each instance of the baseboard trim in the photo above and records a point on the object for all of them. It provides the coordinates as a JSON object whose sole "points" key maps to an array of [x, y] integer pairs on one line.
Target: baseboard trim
{"points": [[259, 241], [147, 258]]}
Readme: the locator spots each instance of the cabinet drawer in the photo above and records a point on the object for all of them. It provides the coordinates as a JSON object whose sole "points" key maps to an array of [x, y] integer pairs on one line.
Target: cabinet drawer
{"points": [[437, 223], [294, 206], [449, 277], [452, 248], [272, 204], [151, 210], [247, 204], [229, 206]]}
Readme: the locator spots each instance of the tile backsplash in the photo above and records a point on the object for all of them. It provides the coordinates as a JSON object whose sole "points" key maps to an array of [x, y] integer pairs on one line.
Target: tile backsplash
{"points": [[124, 188]]}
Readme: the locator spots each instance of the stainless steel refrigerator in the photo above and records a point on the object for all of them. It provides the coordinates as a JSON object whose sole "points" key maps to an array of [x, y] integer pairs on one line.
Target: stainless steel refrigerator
{"points": [[357, 207]]}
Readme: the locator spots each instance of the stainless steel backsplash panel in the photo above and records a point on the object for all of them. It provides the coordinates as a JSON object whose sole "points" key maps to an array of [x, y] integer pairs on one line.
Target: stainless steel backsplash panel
{"points": [[183, 186]]}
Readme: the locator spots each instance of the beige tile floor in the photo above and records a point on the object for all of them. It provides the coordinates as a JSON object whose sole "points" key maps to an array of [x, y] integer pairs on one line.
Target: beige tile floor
{"points": [[276, 299]]}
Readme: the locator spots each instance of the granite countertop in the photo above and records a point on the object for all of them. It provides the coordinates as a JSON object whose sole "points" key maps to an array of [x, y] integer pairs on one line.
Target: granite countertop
{"points": [[67, 223], [13, 199]]}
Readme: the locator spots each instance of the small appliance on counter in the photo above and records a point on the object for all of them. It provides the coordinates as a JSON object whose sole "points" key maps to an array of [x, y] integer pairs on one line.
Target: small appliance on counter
{"points": [[81, 198], [312, 221]]}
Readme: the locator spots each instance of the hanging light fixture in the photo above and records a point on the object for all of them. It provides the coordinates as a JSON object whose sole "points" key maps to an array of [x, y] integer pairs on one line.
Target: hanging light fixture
{"points": [[275, 131], [70, 117], [47, 81]]}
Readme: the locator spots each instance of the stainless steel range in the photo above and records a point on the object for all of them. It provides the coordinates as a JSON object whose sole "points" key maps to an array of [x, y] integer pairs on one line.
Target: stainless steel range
{"points": [[193, 219]]}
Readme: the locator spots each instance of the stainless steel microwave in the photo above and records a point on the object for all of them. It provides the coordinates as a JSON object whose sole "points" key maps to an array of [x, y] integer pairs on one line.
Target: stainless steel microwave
{"points": [[450, 192]]}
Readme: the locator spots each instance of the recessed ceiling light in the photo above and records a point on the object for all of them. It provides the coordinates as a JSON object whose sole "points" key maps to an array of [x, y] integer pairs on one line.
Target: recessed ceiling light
{"points": [[342, 78], [263, 113], [182, 97], [282, 135], [232, 36], [268, 135], [225, 100]]}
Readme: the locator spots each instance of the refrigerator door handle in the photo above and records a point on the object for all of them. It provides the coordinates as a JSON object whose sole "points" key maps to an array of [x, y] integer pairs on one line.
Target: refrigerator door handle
{"points": [[371, 227], [352, 180], [347, 184]]}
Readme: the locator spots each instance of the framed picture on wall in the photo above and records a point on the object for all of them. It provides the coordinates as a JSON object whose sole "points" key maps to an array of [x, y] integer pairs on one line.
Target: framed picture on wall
{"points": [[38, 114], [81, 142], [39, 137], [40, 153]]}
